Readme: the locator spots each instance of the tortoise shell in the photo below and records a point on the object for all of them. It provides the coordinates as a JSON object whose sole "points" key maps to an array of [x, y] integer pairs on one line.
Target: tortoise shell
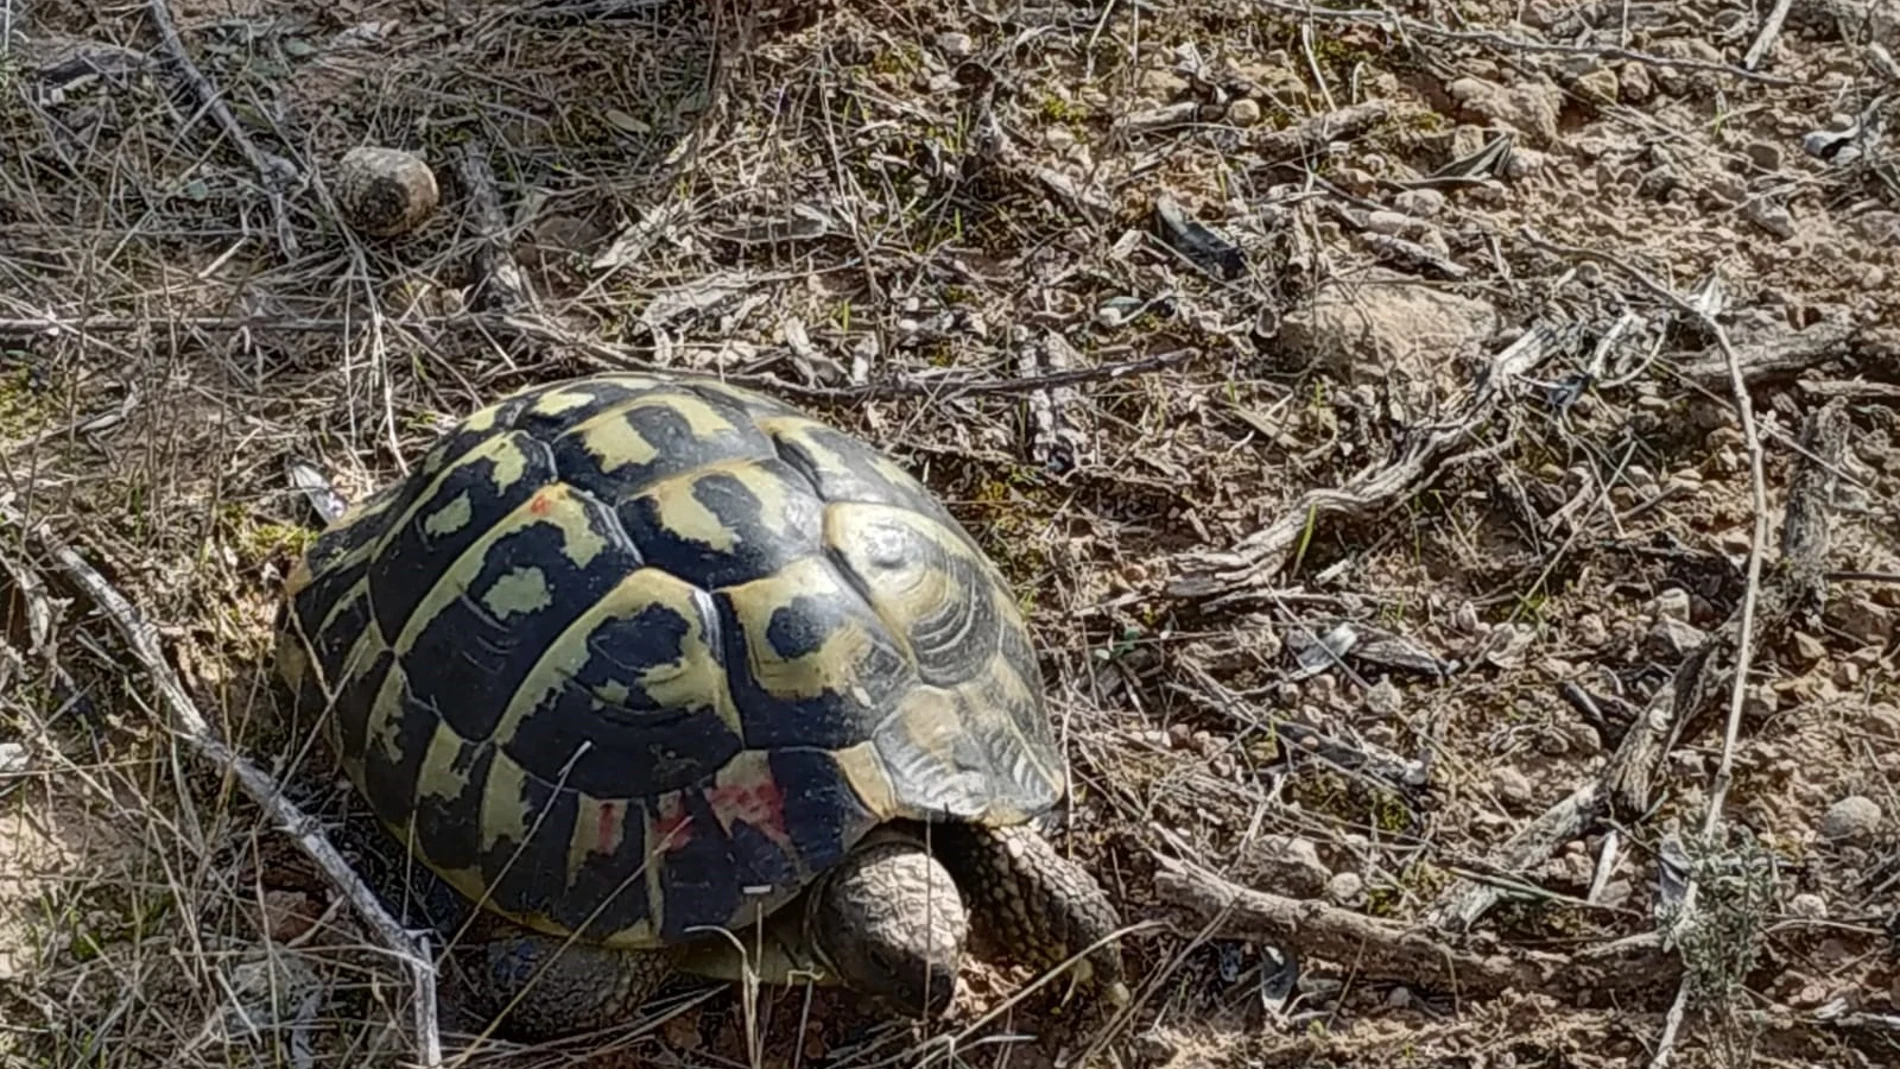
{"points": [[646, 654]]}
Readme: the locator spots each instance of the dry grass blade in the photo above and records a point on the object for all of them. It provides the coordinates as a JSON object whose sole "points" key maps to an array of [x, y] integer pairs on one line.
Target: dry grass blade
{"points": [[198, 734]]}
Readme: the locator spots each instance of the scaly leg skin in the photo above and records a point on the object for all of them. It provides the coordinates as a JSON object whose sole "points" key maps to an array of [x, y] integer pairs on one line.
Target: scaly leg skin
{"points": [[1030, 903], [579, 988]]}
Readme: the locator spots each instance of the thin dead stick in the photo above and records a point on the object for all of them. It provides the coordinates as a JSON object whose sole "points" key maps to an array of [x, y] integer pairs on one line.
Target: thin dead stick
{"points": [[1769, 31], [199, 735], [271, 170], [1626, 969], [1257, 558], [1744, 649]]}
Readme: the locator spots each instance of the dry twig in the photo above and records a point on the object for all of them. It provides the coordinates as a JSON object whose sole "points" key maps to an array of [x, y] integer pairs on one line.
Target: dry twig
{"points": [[198, 734]]}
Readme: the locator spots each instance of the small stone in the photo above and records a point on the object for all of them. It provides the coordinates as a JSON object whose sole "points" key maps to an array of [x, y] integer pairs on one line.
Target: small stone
{"points": [[1398, 998], [1180, 736], [1591, 630], [12, 758], [1585, 738], [1633, 80], [1291, 866], [1389, 222], [1808, 649], [1600, 85], [1244, 112], [384, 192], [1345, 888], [1384, 699], [1512, 788], [1852, 818], [1764, 154], [1808, 905], [1868, 623], [1672, 604], [956, 45], [1671, 639], [1420, 203]]}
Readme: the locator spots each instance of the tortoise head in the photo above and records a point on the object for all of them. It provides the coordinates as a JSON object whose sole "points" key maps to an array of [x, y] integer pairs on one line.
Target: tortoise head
{"points": [[889, 922]]}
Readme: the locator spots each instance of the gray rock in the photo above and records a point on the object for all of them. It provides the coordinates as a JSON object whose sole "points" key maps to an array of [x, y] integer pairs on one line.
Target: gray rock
{"points": [[1673, 604], [1855, 817], [956, 45], [1291, 866], [1345, 888], [1512, 788], [1423, 203], [1383, 326], [1384, 699], [1671, 640], [1808, 905]]}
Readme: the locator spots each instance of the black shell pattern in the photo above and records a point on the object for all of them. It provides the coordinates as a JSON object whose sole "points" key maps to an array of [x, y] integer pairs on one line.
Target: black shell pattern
{"points": [[632, 655]]}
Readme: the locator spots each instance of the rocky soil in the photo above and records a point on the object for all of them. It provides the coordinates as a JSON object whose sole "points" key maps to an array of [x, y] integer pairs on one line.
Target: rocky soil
{"points": [[1449, 455]]}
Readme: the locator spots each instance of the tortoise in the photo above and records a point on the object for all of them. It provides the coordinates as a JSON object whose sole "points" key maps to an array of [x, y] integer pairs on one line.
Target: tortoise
{"points": [[670, 678]]}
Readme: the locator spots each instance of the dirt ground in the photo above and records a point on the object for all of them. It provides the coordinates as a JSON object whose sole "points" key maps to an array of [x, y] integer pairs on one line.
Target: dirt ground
{"points": [[1400, 422]]}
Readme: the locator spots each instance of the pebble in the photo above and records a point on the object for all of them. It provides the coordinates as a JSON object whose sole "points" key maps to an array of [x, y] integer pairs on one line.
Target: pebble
{"points": [[1854, 817], [1345, 888], [1389, 222], [1291, 866], [956, 45], [1599, 84], [1808, 905], [1671, 639], [1384, 699], [1672, 604], [1808, 649], [1764, 154], [1591, 630], [1243, 112], [12, 758], [1635, 83], [1423, 203], [1512, 788]]}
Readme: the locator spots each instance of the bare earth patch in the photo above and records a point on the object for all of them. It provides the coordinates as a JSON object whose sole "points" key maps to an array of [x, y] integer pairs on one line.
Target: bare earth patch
{"points": [[1400, 421]]}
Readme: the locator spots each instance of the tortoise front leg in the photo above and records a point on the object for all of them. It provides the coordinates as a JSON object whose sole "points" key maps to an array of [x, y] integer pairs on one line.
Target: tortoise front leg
{"points": [[1030, 903]]}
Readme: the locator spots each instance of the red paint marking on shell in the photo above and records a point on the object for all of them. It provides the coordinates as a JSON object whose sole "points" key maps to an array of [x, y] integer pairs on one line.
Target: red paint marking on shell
{"points": [[540, 504], [608, 835], [672, 826], [761, 805]]}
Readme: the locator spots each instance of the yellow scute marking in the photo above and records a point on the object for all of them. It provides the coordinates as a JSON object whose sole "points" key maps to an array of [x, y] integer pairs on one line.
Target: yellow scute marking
{"points": [[450, 518], [613, 442], [693, 680], [518, 593], [560, 401], [701, 418], [384, 714], [831, 667], [931, 722], [503, 815], [438, 778], [687, 518], [510, 463], [864, 770]]}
